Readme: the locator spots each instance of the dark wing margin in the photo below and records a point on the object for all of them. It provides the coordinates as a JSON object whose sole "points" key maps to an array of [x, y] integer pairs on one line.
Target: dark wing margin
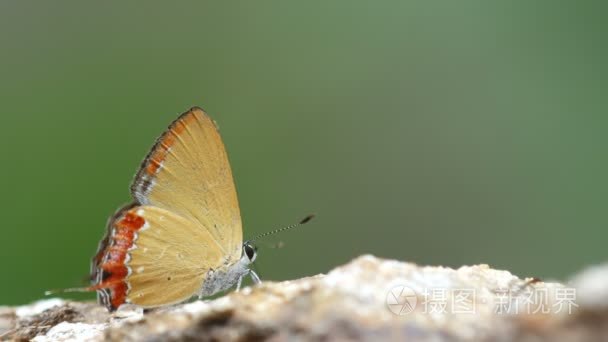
{"points": [[151, 164]]}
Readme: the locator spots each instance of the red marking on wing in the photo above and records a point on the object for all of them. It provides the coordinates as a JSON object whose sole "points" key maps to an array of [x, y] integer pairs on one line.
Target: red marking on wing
{"points": [[110, 260], [109, 271], [158, 155], [131, 221]]}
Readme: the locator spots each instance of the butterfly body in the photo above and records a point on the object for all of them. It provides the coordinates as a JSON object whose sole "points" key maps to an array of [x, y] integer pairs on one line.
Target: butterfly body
{"points": [[224, 278]]}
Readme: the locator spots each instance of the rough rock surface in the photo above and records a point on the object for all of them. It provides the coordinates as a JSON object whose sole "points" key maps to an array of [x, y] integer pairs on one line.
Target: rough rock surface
{"points": [[368, 299]]}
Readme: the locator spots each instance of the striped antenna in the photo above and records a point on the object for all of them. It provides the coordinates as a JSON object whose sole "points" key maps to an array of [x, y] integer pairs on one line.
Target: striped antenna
{"points": [[272, 232]]}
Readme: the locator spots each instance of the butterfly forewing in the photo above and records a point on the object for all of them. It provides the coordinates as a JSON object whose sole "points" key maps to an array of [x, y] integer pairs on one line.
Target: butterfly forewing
{"points": [[188, 173]]}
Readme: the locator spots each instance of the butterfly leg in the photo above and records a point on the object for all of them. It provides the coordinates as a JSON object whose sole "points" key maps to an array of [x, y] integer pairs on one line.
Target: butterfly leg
{"points": [[254, 277], [238, 284]]}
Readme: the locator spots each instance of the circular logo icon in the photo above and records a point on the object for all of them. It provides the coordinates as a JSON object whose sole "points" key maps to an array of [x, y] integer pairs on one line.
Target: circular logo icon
{"points": [[401, 300]]}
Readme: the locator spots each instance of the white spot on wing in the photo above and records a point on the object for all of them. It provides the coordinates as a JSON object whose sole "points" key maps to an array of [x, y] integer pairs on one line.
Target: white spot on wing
{"points": [[134, 245]]}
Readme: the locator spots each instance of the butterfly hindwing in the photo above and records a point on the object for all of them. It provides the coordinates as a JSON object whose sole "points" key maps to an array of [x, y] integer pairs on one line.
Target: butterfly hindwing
{"points": [[170, 258], [155, 258]]}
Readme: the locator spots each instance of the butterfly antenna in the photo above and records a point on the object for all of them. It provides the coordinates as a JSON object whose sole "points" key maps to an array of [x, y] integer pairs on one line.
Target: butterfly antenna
{"points": [[272, 232]]}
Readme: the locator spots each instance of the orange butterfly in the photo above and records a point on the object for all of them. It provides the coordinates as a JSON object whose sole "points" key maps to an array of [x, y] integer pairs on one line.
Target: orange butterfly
{"points": [[182, 235]]}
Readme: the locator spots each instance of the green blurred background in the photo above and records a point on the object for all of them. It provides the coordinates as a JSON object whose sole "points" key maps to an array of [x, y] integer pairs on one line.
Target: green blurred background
{"points": [[438, 133]]}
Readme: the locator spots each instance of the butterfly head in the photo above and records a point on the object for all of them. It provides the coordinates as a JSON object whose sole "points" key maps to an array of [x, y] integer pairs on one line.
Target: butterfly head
{"points": [[250, 251]]}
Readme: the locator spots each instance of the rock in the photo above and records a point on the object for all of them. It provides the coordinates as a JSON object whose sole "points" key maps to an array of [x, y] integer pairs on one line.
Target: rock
{"points": [[368, 299]]}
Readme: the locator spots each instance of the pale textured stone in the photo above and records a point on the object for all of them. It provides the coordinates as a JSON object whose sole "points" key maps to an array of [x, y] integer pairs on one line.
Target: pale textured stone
{"points": [[363, 300]]}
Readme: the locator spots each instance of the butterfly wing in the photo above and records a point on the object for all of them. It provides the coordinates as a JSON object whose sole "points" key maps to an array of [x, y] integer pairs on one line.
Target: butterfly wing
{"points": [[156, 257], [170, 259], [184, 222], [187, 172]]}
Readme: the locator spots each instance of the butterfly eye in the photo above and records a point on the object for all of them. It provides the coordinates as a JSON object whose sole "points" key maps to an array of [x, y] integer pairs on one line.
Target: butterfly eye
{"points": [[250, 252]]}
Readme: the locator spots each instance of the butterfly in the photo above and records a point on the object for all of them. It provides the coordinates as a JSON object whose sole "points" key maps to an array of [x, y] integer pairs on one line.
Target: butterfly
{"points": [[182, 235]]}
